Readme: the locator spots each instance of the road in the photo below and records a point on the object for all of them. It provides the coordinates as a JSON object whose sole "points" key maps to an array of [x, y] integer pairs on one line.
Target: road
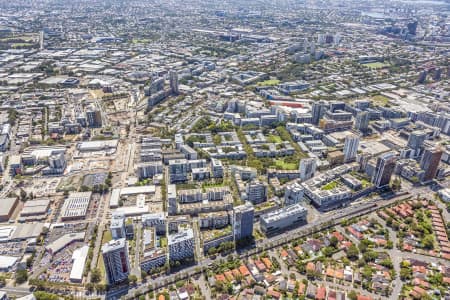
{"points": [[16, 291], [267, 244]]}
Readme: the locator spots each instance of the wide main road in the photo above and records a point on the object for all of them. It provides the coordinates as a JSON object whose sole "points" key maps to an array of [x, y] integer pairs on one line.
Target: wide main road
{"points": [[327, 221]]}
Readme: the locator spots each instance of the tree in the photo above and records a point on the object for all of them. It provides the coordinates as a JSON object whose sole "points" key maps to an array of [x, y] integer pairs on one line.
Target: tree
{"points": [[23, 194], [100, 288], [405, 273], [352, 295], [389, 245], [40, 295], [96, 275], [370, 256], [327, 251], [352, 252], [21, 276], [364, 244], [334, 242], [90, 286], [428, 242]]}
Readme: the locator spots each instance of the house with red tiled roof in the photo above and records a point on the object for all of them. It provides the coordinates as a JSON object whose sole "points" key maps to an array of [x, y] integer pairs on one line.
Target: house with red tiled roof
{"points": [[301, 289], [284, 254], [355, 233], [422, 283], [298, 249], [339, 274], [273, 294], [419, 269], [418, 291], [362, 297], [310, 267], [338, 235], [220, 277], [267, 262], [331, 295], [260, 266], [407, 247], [381, 242], [346, 245], [244, 270], [383, 215], [229, 275], [236, 273], [270, 278], [321, 293], [329, 272]]}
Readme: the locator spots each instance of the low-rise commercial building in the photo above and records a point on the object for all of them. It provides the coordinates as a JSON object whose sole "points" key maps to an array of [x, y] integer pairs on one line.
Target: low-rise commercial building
{"points": [[283, 218]]}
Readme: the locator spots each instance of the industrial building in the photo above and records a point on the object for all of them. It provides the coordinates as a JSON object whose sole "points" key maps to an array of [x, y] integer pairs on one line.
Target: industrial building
{"points": [[7, 207], [75, 206]]}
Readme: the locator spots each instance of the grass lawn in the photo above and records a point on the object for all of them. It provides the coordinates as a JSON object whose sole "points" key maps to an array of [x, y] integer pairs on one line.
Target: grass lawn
{"points": [[69, 183], [163, 241], [285, 165], [376, 65], [141, 41], [268, 82], [380, 100], [331, 185], [97, 93], [258, 234], [274, 139], [186, 186], [365, 183], [101, 267], [212, 184], [18, 45], [106, 236]]}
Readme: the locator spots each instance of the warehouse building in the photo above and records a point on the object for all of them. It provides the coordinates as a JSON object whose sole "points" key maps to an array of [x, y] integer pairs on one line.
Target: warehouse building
{"points": [[35, 208], [75, 207], [7, 207]]}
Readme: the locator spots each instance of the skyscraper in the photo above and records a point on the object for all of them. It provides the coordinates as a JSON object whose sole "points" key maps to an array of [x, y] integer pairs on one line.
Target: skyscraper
{"points": [[362, 121], [351, 147], [384, 169], [181, 245], [307, 168], [412, 27], [318, 110], [41, 40], [94, 117], [243, 221], [115, 258], [430, 163], [173, 76], [416, 139]]}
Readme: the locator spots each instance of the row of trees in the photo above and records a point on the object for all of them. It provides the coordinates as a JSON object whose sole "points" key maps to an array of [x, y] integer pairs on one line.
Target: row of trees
{"points": [[222, 248]]}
